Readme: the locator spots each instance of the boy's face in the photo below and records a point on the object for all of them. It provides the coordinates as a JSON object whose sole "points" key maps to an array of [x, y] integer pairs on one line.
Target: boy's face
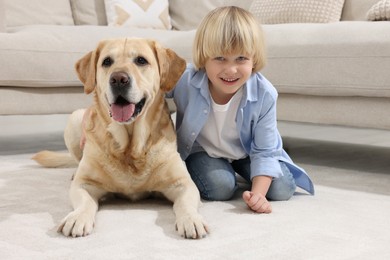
{"points": [[227, 73]]}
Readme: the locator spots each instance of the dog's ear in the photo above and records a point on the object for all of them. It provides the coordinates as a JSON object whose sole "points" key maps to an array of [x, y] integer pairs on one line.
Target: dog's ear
{"points": [[86, 70], [171, 67]]}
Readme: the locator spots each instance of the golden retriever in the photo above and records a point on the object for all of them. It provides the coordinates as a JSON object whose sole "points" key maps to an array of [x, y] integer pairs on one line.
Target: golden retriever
{"points": [[130, 144]]}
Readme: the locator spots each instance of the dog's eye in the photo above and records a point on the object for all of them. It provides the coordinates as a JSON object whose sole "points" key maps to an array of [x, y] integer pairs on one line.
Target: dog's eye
{"points": [[141, 61], [107, 62]]}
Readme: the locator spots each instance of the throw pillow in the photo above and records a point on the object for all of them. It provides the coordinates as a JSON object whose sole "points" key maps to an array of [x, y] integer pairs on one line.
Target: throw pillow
{"points": [[2, 16], [27, 12], [379, 11], [89, 12], [187, 15], [138, 13], [297, 11]]}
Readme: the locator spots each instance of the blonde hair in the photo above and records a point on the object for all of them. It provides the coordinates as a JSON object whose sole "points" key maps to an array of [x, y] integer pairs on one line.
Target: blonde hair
{"points": [[229, 30]]}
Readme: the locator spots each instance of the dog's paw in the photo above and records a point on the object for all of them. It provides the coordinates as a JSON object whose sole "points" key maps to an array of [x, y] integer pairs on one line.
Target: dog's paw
{"points": [[192, 226], [77, 224]]}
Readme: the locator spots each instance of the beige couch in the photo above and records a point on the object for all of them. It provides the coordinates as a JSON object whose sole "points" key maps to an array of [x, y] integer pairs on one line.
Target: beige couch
{"points": [[326, 73]]}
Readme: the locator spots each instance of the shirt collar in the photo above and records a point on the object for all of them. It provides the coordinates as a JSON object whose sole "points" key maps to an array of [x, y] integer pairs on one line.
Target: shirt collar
{"points": [[200, 81], [251, 88]]}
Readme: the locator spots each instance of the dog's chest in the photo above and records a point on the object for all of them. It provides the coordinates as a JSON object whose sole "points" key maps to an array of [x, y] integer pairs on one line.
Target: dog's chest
{"points": [[131, 169], [125, 174]]}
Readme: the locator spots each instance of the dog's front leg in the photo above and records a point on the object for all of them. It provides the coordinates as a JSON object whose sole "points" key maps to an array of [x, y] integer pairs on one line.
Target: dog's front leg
{"points": [[84, 198], [186, 200]]}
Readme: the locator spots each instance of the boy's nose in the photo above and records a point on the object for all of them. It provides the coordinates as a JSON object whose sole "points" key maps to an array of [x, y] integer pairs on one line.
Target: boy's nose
{"points": [[231, 68]]}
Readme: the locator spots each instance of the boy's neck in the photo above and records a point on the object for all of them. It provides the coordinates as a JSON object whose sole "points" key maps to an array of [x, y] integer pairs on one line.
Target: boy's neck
{"points": [[220, 98]]}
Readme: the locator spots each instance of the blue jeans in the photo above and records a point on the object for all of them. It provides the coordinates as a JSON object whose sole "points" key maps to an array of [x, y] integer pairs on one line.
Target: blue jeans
{"points": [[216, 177]]}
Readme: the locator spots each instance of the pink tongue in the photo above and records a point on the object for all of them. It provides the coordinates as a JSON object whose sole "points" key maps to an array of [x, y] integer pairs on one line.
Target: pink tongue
{"points": [[122, 113]]}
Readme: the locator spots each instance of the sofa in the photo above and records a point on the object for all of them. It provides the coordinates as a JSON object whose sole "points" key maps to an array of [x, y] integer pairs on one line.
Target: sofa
{"points": [[335, 71]]}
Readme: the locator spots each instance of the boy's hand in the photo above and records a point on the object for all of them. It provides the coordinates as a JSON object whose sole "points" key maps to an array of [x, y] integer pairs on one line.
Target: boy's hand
{"points": [[257, 202]]}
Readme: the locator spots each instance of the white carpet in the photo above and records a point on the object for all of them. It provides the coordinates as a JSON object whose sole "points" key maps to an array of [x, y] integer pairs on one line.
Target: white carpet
{"points": [[333, 224]]}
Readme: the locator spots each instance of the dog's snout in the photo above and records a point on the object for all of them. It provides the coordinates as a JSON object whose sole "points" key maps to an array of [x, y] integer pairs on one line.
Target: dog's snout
{"points": [[119, 79]]}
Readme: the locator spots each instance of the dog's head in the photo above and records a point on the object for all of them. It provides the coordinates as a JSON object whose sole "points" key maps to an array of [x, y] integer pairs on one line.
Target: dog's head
{"points": [[126, 74]]}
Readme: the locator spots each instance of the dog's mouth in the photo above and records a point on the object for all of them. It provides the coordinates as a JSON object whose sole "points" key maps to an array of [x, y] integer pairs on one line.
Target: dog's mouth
{"points": [[123, 111]]}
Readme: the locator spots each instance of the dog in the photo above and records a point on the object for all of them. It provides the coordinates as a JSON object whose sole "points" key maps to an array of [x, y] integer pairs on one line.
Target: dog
{"points": [[130, 146]]}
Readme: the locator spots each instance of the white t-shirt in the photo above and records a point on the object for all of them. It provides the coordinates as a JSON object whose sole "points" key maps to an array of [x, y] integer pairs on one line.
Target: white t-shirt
{"points": [[219, 136]]}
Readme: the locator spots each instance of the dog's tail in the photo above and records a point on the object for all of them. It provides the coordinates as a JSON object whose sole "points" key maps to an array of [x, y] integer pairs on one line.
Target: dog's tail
{"points": [[51, 159]]}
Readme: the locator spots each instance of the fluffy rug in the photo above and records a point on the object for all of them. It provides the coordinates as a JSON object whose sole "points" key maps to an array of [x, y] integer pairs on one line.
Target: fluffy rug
{"points": [[333, 224]]}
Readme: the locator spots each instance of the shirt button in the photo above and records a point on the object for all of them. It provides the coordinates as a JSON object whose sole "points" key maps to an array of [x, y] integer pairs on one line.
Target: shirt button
{"points": [[205, 111], [193, 133]]}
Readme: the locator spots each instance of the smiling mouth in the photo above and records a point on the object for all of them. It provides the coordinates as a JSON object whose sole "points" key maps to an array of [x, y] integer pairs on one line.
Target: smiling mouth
{"points": [[229, 80], [123, 111]]}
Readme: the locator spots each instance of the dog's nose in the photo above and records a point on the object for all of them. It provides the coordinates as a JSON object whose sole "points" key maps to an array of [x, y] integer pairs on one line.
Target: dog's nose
{"points": [[119, 79]]}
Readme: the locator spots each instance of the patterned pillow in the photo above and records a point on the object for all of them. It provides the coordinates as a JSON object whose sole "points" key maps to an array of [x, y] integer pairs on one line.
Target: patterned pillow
{"points": [[138, 13], [379, 11], [297, 11]]}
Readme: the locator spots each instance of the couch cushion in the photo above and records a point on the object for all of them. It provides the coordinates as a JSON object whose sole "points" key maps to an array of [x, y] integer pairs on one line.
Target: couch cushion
{"points": [[185, 17], [2, 16], [380, 11], [44, 55], [26, 12], [89, 12], [370, 112], [297, 11], [332, 59], [137, 13], [30, 101]]}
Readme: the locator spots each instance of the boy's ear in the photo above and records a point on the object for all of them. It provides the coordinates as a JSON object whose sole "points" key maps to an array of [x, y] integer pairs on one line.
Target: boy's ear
{"points": [[171, 67]]}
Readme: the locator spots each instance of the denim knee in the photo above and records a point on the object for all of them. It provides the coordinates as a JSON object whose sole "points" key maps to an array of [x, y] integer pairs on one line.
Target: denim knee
{"points": [[219, 188], [214, 177], [282, 188]]}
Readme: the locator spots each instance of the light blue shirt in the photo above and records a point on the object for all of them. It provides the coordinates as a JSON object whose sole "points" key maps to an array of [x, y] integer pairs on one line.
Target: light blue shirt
{"points": [[255, 118]]}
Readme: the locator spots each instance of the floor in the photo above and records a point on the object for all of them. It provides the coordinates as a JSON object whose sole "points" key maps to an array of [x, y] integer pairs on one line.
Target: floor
{"points": [[348, 158]]}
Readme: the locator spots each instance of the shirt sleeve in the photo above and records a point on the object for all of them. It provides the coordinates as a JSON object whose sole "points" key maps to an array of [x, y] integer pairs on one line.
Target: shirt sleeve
{"points": [[266, 146]]}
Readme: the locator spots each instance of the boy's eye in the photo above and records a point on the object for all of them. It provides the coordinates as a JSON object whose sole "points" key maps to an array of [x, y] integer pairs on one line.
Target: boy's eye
{"points": [[242, 58], [219, 58]]}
